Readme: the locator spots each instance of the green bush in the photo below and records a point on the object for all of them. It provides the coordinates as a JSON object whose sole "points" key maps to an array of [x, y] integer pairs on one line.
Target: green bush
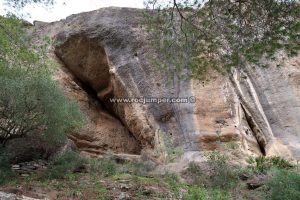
{"points": [[285, 185], [263, 164], [224, 175], [139, 168], [220, 195], [194, 169], [280, 163], [31, 102], [259, 164], [201, 193], [104, 167], [168, 147], [64, 164], [195, 172], [196, 193], [29, 149], [174, 185], [6, 174]]}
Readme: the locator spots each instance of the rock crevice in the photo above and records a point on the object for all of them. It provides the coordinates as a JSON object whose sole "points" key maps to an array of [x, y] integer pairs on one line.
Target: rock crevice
{"points": [[91, 69]]}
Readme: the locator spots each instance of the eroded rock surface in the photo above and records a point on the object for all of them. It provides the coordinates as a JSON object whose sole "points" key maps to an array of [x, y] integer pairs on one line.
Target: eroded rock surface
{"points": [[104, 131], [107, 55]]}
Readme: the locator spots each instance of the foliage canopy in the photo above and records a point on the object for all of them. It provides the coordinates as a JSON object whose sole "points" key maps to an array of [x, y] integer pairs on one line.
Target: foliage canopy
{"points": [[22, 3], [197, 34]]}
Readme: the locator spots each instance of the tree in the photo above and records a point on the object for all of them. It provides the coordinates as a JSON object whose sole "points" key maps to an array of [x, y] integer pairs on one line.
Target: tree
{"points": [[16, 6], [22, 3], [196, 35], [31, 103]]}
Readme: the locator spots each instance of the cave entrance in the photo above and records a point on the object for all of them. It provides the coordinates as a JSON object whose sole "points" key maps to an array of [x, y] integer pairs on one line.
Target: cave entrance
{"points": [[87, 61]]}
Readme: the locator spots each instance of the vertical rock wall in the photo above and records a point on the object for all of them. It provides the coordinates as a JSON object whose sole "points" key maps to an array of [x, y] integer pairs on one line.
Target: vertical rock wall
{"points": [[109, 56]]}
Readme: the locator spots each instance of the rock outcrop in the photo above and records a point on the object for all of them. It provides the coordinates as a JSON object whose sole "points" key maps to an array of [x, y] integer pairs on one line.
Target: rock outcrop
{"points": [[106, 54], [9, 196], [26, 168]]}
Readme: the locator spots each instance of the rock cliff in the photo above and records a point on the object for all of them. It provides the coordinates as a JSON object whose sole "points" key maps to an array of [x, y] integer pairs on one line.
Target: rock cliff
{"points": [[106, 53]]}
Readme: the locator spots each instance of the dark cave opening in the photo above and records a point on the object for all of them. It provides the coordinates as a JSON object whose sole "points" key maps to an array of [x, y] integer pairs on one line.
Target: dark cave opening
{"points": [[87, 61]]}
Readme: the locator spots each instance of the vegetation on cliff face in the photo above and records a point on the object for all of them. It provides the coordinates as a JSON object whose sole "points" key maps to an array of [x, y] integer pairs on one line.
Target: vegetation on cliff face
{"points": [[198, 35], [35, 116], [31, 103]]}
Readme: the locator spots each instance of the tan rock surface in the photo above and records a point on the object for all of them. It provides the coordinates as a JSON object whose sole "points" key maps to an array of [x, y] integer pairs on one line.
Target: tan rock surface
{"points": [[108, 53]]}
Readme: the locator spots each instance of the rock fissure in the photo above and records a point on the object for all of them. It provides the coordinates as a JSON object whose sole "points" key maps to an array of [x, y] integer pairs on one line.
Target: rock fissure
{"points": [[93, 94], [255, 130], [252, 109], [89, 66]]}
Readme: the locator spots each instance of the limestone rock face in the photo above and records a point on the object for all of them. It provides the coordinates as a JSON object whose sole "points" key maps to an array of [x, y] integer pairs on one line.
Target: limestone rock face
{"points": [[106, 54]]}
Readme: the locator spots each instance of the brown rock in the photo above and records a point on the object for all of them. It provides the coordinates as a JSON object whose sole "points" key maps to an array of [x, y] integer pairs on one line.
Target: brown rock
{"points": [[257, 181], [108, 55]]}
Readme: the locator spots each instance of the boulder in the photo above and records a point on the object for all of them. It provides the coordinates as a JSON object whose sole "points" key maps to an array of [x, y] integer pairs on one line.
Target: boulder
{"points": [[9, 196], [257, 181]]}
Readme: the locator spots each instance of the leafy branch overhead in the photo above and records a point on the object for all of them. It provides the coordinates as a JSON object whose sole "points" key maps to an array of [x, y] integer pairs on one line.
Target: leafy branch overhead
{"points": [[22, 3], [197, 35]]}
